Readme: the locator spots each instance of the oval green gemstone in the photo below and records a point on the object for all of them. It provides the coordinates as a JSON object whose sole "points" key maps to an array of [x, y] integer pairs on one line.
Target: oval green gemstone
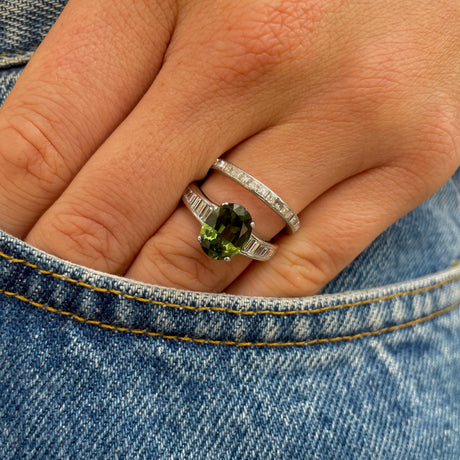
{"points": [[226, 230]]}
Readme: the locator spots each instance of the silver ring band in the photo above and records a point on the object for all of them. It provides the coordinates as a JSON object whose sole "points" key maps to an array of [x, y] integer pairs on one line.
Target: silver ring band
{"points": [[268, 196], [201, 207]]}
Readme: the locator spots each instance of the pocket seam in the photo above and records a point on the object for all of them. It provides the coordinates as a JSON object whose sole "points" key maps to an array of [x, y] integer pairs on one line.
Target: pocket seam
{"points": [[359, 335], [229, 310], [18, 52]]}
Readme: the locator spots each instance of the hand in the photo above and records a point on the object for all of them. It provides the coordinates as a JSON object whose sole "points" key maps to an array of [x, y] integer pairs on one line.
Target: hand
{"points": [[348, 110]]}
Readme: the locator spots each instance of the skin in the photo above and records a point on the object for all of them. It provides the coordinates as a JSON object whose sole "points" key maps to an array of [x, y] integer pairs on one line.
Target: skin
{"points": [[350, 110]]}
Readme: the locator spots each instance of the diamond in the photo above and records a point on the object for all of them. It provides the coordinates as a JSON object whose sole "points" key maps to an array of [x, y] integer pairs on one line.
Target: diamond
{"points": [[278, 203]]}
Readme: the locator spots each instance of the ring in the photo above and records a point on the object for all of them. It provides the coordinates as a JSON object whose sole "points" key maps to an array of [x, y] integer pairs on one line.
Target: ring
{"points": [[269, 197], [226, 230]]}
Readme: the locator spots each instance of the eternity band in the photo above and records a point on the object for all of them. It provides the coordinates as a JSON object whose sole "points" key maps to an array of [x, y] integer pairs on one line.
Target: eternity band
{"points": [[268, 196]]}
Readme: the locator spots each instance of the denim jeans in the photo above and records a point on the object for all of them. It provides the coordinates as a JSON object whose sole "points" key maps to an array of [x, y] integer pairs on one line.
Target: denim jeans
{"points": [[97, 366]]}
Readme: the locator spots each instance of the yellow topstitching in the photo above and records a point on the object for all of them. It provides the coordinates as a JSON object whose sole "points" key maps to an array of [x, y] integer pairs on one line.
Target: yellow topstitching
{"points": [[231, 342], [229, 310], [19, 51]]}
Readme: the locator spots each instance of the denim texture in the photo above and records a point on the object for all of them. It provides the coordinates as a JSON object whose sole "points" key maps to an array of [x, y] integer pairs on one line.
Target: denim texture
{"points": [[96, 366], [23, 25]]}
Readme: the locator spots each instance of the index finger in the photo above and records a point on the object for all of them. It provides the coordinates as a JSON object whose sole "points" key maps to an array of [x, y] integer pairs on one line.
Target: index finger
{"points": [[83, 80]]}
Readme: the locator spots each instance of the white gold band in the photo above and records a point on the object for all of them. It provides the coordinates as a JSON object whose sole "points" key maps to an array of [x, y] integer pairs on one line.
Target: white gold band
{"points": [[268, 196]]}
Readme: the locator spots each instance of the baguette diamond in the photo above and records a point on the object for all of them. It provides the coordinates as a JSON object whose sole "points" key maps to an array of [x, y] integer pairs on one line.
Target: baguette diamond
{"points": [[268, 196], [226, 230]]}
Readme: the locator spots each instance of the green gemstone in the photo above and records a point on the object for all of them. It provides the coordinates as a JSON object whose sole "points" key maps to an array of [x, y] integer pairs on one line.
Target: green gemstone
{"points": [[226, 230]]}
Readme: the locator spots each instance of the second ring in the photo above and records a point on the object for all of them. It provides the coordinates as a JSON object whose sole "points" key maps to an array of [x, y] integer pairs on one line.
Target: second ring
{"points": [[226, 230]]}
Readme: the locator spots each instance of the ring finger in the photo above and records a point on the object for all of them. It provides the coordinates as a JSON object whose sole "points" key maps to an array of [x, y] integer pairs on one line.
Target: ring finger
{"points": [[297, 172]]}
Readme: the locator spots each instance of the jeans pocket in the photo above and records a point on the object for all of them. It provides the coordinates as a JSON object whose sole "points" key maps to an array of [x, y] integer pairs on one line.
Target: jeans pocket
{"points": [[111, 302], [97, 366]]}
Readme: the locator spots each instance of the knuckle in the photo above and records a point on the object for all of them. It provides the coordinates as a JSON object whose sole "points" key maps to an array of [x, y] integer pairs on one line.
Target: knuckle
{"points": [[397, 101], [432, 150], [85, 238], [305, 268], [377, 93], [258, 37], [29, 152], [386, 75], [181, 264], [439, 139]]}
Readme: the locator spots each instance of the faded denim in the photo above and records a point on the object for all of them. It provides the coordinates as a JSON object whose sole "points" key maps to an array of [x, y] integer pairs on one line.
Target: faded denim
{"points": [[94, 366]]}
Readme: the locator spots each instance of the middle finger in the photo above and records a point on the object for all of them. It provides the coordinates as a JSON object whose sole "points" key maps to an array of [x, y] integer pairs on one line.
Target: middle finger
{"points": [[136, 178]]}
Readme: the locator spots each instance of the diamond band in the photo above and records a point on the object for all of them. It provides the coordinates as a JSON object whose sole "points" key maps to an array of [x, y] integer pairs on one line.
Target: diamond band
{"points": [[268, 196]]}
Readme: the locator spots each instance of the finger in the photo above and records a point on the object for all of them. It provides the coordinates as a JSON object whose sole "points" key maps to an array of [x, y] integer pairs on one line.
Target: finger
{"points": [[173, 256], [182, 124], [82, 81], [337, 227], [135, 180]]}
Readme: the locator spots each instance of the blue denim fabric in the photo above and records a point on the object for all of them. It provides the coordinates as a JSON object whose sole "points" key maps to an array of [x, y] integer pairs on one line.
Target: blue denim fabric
{"points": [[96, 366]]}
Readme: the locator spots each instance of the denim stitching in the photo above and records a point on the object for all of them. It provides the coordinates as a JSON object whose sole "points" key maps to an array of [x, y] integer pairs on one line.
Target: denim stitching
{"points": [[231, 342], [228, 310], [15, 53]]}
